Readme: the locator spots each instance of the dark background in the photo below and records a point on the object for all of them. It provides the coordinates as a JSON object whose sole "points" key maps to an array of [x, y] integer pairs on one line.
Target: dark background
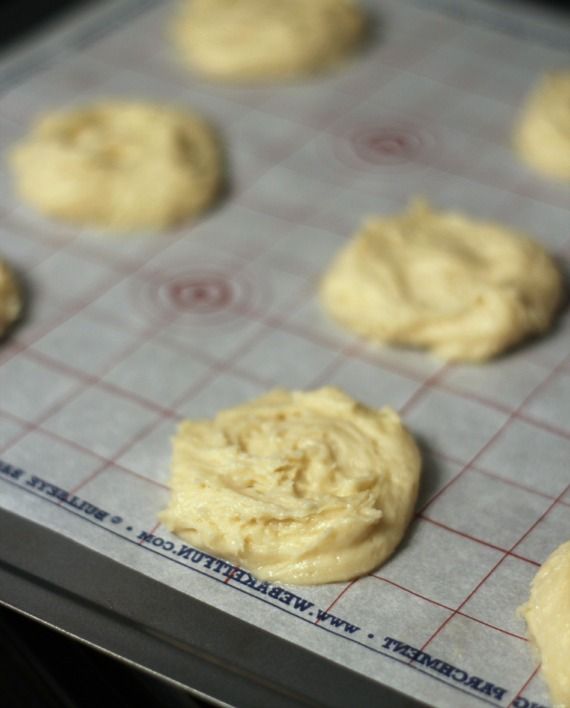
{"points": [[20, 17]]}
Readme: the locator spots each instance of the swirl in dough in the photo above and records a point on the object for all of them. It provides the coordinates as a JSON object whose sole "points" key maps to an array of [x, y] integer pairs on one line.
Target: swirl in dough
{"points": [[466, 290], [10, 300], [547, 614], [542, 136], [255, 40], [298, 487], [119, 165]]}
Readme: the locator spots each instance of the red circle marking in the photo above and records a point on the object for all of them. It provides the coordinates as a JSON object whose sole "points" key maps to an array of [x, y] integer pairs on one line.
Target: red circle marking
{"points": [[198, 294], [387, 146]]}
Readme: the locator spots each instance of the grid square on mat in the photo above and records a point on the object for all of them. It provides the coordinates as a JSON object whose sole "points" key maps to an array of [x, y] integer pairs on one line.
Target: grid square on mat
{"points": [[373, 385], [85, 344], [29, 389], [100, 421], [453, 425], [488, 508], [149, 456], [287, 359], [528, 455], [225, 390], [157, 372], [80, 276], [551, 404]]}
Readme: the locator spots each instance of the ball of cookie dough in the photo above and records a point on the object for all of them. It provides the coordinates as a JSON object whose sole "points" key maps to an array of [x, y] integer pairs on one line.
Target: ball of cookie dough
{"points": [[542, 136], [119, 165], [297, 487], [10, 298], [256, 40], [547, 614], [466, 290]]}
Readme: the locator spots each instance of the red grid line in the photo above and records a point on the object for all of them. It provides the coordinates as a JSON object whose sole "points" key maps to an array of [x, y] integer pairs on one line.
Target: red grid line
{"points": [[337, 598], [151, 532], [497, 564], [514, 635], [411, 592], [423, 389], [465, 393], [334, 365], [230, 575], [524, 686]]}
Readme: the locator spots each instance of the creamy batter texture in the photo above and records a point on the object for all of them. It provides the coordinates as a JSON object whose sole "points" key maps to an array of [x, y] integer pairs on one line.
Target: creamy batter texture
{"points": [[547, 614], [119, 165], [297, 487], [542, 136], [10, 298], [466, 290], [255, 40]]}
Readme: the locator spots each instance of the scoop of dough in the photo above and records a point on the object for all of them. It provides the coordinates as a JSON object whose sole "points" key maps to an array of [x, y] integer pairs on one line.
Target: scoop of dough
{"points": [[119, 165], [296, 487], [463, 289], [264, 39], [10, 299], [542, 136], [547, 614]]}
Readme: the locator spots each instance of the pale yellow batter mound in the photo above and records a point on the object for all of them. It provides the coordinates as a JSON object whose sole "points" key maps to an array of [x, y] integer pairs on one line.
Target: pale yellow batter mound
{"points": [[10, 299], [547, 614], [256, 40], [466, 290], [119, 165], [542, 136], [296, 487]]}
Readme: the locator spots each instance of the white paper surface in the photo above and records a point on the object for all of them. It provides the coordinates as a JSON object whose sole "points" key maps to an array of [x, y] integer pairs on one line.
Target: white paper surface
{"points": [[116, 347]]}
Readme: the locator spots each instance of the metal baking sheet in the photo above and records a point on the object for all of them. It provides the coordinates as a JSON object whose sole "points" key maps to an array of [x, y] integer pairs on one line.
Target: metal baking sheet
{"points": [[126, 335]]}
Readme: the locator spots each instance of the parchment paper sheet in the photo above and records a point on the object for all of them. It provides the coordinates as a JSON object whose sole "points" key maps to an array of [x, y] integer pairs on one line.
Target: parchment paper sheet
{"points": [[126, 335]]}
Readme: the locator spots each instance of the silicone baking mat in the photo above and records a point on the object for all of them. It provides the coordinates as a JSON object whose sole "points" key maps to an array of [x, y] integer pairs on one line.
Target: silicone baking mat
{"points": [[124, 336]]}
